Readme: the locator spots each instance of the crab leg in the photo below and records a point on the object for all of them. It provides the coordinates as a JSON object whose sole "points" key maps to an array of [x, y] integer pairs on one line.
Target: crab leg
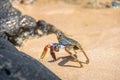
{"points": [[87, 61], [52, 52], [44, 51], [67, 50]]}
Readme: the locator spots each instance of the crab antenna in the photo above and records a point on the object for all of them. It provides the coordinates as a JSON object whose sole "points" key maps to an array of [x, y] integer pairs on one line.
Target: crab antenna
{"points": [[44, 52]]}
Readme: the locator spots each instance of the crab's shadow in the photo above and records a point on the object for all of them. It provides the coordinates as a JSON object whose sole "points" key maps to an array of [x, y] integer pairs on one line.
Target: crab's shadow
{"points": [[66, 59]]}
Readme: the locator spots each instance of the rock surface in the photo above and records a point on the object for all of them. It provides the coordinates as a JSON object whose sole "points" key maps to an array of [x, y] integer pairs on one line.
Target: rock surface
{"points": [[16, 65], [13, 24]]}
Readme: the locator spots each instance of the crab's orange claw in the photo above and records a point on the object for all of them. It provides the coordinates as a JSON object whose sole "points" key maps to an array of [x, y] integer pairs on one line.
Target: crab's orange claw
{"points": [[44, 52]]}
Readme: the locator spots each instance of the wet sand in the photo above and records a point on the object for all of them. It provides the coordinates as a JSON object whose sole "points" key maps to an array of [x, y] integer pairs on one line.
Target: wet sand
{"points": [[97, 30]]}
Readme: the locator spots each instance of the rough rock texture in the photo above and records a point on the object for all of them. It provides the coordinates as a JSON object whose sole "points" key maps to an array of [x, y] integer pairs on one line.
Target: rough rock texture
{"points": [[13, 24], [18, 27], [15, 65]]}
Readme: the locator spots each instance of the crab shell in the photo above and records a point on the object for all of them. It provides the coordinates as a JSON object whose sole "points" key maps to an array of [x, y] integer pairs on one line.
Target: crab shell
{"points": [[67, 41]]}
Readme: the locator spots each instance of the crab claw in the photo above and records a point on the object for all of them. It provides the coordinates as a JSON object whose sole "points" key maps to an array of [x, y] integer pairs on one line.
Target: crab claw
{"points": [[51, 52], [44, 52]]}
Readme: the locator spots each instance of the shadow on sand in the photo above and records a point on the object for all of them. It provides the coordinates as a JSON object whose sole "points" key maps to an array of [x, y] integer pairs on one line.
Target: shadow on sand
{"points": [[66, 59]]}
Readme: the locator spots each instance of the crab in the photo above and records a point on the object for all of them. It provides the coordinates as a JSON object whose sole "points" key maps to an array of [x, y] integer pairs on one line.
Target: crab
{"points": [[16, 27], [67, 44]]}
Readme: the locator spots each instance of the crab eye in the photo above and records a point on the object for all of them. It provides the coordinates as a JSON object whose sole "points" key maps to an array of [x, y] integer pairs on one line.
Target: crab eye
{"points": [[59, 34]]}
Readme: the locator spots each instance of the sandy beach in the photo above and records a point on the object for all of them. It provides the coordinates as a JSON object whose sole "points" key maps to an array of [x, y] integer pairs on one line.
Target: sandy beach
{"points": [[97, 30]]}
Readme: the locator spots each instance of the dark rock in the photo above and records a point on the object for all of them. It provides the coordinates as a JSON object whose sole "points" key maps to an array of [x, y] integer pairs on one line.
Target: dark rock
{"points": [[13, 24], [17, 27], [16, 65], [47, 28]]}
